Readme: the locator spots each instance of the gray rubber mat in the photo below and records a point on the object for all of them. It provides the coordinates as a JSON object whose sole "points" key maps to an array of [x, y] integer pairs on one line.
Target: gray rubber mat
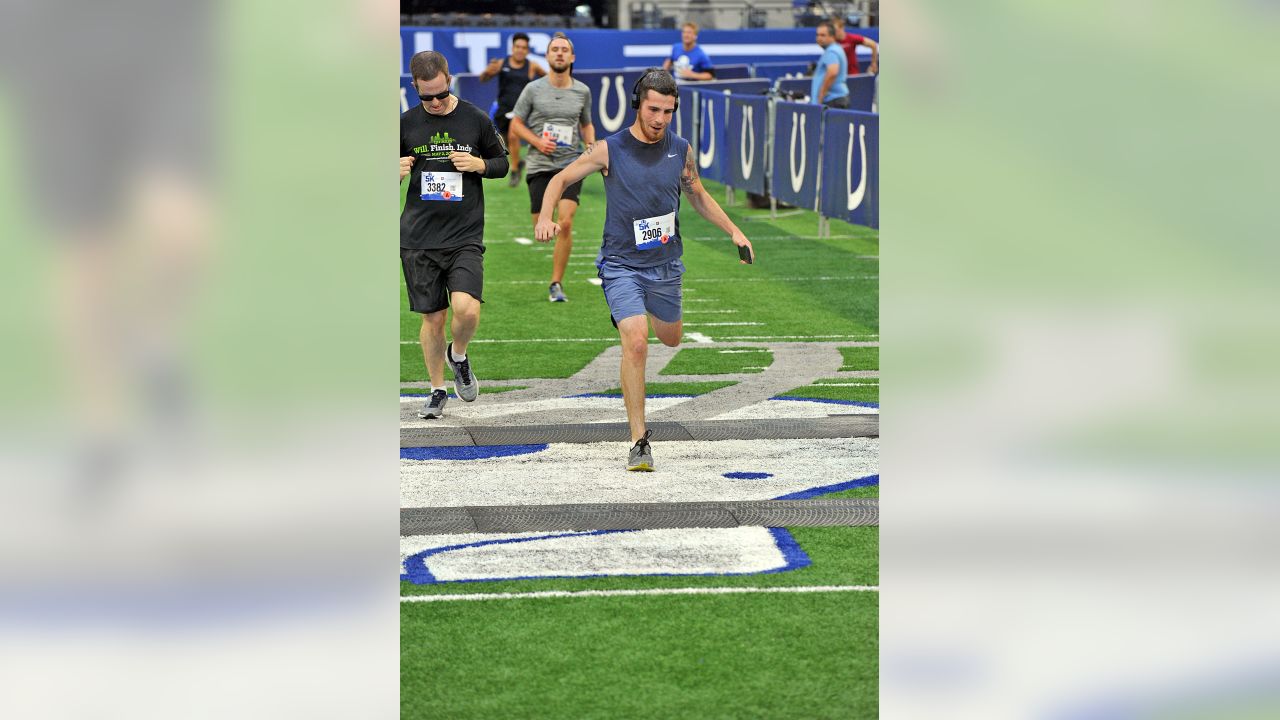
{"points": [[838, 426], [640, 516]]}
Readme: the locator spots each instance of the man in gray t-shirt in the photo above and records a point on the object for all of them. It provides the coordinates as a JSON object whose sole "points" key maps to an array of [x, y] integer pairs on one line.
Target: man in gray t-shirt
{"points": [[553, 115]]}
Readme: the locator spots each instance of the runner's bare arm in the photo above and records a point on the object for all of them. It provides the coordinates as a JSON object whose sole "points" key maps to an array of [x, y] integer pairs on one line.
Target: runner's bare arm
{"points": [[707, 206], [595, 158]]}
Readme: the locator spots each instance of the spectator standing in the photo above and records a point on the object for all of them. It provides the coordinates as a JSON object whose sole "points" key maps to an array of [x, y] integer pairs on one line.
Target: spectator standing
{"points": [[829, 85], [688, 61], [850, 42]]}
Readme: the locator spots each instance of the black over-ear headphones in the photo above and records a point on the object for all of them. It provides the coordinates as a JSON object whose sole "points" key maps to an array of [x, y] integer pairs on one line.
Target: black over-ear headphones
{"points": [[635, 90]]}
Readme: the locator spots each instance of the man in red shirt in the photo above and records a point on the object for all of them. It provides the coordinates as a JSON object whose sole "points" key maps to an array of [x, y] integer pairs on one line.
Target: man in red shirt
{"points": [[850, 43]]}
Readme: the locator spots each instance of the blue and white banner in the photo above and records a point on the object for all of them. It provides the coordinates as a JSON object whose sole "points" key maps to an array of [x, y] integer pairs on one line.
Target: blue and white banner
{"points": [[469, 49], [862, 92], [797, 162], [851, 171], [746, 131], [683, 122], [713, 112], [745, 87], [481, 94], [610, 98]]}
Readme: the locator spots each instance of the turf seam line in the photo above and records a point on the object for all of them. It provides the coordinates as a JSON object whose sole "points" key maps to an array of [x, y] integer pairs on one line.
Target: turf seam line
{"points": [[633, 593]]}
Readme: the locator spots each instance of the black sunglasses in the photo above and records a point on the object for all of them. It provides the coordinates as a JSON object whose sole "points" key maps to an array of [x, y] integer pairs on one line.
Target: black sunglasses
{"points": [[437, 96]]}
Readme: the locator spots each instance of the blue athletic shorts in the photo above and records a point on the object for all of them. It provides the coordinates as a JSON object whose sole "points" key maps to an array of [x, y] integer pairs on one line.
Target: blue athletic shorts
{"points": [[635, 291]]}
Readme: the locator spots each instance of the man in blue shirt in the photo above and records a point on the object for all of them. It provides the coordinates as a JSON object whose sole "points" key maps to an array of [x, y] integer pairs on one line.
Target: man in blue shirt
{"points": [[688, 61], [829, 86]]}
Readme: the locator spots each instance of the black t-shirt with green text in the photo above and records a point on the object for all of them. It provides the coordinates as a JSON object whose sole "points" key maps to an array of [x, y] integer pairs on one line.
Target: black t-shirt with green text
{"points": [[444, 208]]}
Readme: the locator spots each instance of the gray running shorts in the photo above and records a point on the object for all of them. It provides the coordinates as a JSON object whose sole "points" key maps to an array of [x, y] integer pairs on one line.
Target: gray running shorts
{"points": [[635, 291]]}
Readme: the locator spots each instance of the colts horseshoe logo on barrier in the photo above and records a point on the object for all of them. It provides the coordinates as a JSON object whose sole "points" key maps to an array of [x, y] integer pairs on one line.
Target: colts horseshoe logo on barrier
{"points": [[611, 124], [855, 197], [704, 159], [797, 122], [748, 126]]}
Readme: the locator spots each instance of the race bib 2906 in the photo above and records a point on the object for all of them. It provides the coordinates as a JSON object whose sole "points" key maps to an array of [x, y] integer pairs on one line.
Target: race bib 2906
{"points": [[446, 186], [654, 232]]}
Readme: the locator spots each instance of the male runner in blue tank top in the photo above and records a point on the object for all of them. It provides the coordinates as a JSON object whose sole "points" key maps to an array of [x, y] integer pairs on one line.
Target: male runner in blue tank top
{"points": [[647, 170]]}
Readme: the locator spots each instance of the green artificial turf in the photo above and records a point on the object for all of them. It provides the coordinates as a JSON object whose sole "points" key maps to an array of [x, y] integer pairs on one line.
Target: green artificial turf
{"points": [[484, 390], [718, 361], [860, 358], [719, 656], [800, 288], [854, 389]]}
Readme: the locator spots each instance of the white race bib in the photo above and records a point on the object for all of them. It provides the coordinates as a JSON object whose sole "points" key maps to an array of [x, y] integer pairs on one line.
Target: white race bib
{"points": [[562, 134], [445, 186], [654, 232]]}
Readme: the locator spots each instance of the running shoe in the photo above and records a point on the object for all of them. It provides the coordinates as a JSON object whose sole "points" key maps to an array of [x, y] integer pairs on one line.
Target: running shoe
{"points": [[556, 293], [464, 381], [641, 455], [434, 407], [515, 174]]}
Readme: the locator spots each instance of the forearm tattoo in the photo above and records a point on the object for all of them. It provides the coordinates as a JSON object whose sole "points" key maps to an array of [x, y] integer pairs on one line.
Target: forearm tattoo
{"points": [[690, 175]]}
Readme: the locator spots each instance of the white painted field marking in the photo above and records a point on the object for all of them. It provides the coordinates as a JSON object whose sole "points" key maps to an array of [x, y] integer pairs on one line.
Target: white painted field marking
{"points": [[634, 593], [731, 338], [534, 340], [524, 241], [818, 278], [709, 312], [719, 324], [595, 281], [698, 337], [754, 237]]}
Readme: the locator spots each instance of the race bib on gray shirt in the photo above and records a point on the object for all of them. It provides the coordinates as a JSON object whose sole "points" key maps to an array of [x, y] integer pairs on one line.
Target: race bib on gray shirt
{"points": [[558, 113]]}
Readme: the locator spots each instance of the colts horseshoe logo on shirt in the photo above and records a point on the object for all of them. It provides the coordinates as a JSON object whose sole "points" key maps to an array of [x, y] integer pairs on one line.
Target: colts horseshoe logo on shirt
{"points": [[654, 232], [446, 186]]}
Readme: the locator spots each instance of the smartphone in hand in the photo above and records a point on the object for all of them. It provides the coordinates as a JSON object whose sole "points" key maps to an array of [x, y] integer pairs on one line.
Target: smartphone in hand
{"points": [[744, 252]]}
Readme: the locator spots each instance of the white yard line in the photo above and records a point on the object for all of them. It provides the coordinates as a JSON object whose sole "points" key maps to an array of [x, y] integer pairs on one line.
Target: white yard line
{"points": [[698, 337], [719, 324], [633, 593]]}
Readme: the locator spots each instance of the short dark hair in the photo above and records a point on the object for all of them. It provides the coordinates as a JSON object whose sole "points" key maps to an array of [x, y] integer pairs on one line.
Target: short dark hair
{"points": [[518, 36], [657, 80], [831, 29], [428, 64]]}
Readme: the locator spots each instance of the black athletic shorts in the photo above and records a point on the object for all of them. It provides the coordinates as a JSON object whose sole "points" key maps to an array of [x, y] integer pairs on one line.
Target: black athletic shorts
{"points": [[538, 186], [431, 275], [502, 122]]}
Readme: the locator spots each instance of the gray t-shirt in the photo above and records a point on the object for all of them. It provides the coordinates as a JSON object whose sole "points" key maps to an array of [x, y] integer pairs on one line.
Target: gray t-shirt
{"points": [[560, 111]]}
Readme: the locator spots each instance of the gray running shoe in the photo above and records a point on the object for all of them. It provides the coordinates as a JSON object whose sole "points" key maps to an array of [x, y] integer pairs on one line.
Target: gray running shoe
{"points": [[434, 407], [555, 293], [515, 174], [464, 381], [641, 457]]}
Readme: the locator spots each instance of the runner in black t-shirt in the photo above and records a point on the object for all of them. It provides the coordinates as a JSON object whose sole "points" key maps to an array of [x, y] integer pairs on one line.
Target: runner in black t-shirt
{"points": [[513, 73], [446, 146]]}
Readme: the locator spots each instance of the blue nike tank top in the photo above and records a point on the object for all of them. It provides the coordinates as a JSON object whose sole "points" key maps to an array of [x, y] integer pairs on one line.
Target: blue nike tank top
{"points": [[643, 183]]}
